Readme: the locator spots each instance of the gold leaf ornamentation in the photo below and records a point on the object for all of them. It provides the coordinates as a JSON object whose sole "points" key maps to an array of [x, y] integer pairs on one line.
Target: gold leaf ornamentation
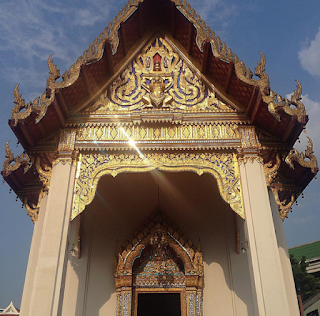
{"points": [[224, 167], [249, 138], [17, 113], [155, 133], [33, 210], [294, 106], [44, 175], [158, 256], [67, 139], [21, 110], [94, 53], [271, 171], [53, 71], [300, 158], [284, 206], [158, 78], [158, 232], [12, 163]]}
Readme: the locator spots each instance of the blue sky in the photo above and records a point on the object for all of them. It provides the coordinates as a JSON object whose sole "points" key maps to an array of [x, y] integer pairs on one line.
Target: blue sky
{"points": [[287, 32]]}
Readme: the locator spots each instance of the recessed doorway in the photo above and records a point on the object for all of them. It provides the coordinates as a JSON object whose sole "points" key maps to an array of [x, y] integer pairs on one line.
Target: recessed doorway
{"points": [[159, 304]]}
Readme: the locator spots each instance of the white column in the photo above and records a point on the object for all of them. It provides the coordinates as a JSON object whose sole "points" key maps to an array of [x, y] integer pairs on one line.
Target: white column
{"points": [[44, 279], [266, 275], [33, 257], [284, 257]]}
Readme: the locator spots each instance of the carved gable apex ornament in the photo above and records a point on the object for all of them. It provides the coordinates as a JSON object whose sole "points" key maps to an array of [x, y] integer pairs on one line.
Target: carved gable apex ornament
{"points": [[158, 78]]}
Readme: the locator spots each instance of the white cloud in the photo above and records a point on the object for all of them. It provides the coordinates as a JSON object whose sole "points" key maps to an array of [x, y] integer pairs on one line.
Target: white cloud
{"points": [[86, 17], [309, 56], [28, 34], [215, 12]]}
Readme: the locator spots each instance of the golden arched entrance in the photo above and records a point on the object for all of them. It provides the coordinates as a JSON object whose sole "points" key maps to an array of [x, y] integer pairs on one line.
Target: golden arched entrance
{"points": [[158, 259], [222, 166]]}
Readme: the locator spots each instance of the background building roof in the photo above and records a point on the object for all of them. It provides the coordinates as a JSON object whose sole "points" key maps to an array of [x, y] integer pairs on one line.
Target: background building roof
{"points": [[310, 250]]}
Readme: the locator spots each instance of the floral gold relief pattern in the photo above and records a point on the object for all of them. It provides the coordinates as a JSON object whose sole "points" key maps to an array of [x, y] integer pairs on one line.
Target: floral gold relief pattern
{"points": [[250, 145], [158, 133], [224, 167], [158, 78]]}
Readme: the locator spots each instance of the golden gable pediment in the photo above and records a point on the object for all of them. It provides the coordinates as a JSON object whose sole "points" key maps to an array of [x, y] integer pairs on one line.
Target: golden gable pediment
{"points": [[158, 78]]}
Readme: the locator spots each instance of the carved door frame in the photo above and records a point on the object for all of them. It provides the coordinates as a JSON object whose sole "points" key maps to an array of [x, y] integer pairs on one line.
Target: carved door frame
{"points": [[158, 234]]}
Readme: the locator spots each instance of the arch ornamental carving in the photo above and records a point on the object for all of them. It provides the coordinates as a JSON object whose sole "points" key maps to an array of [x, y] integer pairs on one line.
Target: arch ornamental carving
{"points": [[223, 166], [159, 259]]}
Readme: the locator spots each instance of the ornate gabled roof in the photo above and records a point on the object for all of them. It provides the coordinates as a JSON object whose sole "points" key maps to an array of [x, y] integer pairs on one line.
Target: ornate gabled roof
{"points": [[94, 92], [81, 84]]}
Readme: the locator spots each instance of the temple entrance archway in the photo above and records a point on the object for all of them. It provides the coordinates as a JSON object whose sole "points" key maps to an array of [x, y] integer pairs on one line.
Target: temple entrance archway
{"points": [[123, 203]]}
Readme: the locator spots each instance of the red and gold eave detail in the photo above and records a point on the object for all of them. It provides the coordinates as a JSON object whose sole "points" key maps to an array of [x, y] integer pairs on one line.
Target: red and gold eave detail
{"points": [[278, 121]]}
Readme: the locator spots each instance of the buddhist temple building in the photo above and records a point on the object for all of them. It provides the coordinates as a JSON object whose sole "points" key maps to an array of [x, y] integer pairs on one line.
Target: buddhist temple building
{"points": [[158, 171]]}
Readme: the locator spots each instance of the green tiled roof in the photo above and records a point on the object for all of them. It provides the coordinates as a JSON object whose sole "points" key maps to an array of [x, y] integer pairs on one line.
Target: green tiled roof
{"points": [[311, 250]]}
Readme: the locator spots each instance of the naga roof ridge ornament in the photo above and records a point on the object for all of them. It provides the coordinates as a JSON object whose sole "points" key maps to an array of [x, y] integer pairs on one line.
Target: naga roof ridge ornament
{"points": [[40, 109], [13, 163], [110, 34], [300, 158]]}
